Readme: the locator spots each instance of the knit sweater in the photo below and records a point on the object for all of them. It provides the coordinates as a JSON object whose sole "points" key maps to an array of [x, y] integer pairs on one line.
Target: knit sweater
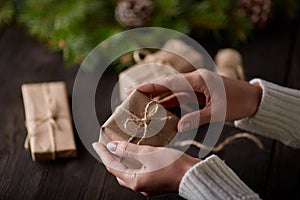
{"points": [[277, 117]]}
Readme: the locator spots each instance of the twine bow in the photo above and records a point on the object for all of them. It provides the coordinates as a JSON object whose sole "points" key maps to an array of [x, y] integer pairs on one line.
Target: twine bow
{"points": [[50, 120], [142, 122]]}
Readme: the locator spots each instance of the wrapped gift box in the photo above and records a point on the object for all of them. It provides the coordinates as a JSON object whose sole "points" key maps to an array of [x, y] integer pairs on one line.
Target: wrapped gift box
{"points": [[140, 120], [48, 121]]}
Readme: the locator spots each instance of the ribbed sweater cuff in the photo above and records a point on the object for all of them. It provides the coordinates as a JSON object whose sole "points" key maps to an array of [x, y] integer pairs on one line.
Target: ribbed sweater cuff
{"points": [[278, 115], [213, 179]]}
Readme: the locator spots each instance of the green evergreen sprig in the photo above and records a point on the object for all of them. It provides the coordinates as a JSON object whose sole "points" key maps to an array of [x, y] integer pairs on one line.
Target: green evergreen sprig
{"points": [[6, 12], [77, 26]]}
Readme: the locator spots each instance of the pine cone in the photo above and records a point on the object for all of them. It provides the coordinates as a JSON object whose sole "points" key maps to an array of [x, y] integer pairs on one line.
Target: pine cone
{"points": [[257, 11], [134, 13]]}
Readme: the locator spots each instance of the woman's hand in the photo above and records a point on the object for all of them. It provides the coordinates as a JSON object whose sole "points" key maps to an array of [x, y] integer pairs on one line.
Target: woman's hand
{"points": [[242, 98], [150, 178]]}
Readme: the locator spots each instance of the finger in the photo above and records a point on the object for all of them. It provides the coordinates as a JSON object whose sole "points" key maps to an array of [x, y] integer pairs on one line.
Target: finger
{"points": [[125, 176], [146, 194], [107, 159], [148, 156], [175, 99], [194, 120], [130, 89], [121, 182], [114, 166], [153, 89], [126, 149], [181, 98], [152, 193], [174, 83], [134, 86]]}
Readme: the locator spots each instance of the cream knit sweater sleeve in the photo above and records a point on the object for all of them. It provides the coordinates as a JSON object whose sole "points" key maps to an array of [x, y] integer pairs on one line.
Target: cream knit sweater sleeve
{"points": [[212, 179], [278, 117]]}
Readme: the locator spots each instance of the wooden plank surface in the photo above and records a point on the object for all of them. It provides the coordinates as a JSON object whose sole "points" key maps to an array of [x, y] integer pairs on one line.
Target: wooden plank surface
{"points": [[23, 59], [270, 172], [284, 179]]}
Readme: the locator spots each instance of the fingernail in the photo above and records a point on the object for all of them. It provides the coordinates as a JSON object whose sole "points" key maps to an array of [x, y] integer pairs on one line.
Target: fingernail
{"points": [[131, 87], [128, 89], [185, 126], [95, 145], [112, 146]]}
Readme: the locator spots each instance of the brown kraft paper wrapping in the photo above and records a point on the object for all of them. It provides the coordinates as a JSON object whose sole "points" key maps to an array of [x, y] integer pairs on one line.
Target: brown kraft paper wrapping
{"points": [[177, 54], [48, 121], [141, 121]]}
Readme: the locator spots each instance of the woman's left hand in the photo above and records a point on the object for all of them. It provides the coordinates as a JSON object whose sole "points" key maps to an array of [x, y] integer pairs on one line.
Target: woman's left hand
{"points": [[162, 168]]}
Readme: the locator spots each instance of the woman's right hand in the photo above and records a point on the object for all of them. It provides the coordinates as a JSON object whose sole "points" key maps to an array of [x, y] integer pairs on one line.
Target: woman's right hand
{"points": [[242, 98]]}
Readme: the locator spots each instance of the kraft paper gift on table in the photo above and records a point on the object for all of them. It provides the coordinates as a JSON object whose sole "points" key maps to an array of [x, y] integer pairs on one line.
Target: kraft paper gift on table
{"points": [[160, 63], [177, 54], [48, 121], [140, 120]]}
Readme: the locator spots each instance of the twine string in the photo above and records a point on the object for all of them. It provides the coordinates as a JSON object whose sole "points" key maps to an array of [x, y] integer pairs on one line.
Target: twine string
{"points": [[222, 144], [142, 122]]}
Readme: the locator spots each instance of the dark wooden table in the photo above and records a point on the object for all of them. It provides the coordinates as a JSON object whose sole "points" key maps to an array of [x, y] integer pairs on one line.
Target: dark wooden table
{"points": [[274, 173]]}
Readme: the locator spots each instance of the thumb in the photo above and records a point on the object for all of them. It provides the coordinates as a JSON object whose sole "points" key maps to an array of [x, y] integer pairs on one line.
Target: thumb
{"points": [[193, 120], [126, 149], [121, 148]]}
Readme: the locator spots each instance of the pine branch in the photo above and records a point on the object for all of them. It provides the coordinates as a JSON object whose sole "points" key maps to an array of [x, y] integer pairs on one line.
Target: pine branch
{"points": [[6, 11]]}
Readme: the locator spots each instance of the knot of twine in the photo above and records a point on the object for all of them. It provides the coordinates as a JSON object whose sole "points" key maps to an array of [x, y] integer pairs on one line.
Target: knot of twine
{"points": [[142, 122], [50, 120]]}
